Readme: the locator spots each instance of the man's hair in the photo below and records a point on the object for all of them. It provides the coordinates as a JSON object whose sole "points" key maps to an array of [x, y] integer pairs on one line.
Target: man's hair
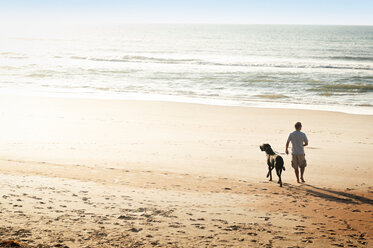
{"points": [[298, 125]]}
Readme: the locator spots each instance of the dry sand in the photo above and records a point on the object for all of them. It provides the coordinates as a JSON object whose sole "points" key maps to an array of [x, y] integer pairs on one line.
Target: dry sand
{"points": [[114, 173]]}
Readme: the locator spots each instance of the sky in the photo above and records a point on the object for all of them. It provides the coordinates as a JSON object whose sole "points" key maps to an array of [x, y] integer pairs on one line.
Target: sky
{"points": [[340, 12]]}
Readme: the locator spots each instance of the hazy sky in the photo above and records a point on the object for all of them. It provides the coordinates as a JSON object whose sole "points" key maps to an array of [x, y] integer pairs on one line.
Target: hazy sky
{"points": [[350, 12]]}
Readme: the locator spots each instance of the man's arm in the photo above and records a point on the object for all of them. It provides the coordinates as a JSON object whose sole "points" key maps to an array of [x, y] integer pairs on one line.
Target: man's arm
{"points": [[305, 140], [287, 147]]}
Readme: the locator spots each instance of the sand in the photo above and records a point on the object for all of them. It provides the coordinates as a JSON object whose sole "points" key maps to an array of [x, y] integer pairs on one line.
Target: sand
{"points": [[120, 173]]}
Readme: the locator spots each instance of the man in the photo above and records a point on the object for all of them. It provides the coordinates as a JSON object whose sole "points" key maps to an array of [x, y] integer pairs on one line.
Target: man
{"points": [[298, 140]]}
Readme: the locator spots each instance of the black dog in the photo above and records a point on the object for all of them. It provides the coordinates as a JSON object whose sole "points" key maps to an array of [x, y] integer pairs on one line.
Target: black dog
{"points": [[273, 161]]}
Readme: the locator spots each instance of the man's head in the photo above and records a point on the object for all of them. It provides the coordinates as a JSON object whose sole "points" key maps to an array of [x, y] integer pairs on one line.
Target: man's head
{"points": [[298, 126]]}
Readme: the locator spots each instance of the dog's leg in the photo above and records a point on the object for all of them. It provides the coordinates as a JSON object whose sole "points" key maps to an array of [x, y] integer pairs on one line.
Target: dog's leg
{"points": [[270, 173], [269, 168], [278, 171]]}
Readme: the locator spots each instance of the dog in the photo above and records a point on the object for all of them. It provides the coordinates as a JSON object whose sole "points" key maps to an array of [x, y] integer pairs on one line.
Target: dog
{"points": [[273, 161]]}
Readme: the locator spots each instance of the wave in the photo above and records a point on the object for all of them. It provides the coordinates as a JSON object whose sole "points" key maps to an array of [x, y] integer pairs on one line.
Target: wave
{"points": [[6, 67], [325, 94], [13, 55], [145, 59], [360, 88], [37, 39], [272, 96], [78, 57], [8, 53], [101, 71], [352, 58], [365, 105], [38, 75], [366, 77], [313, 66], [137, 58]]}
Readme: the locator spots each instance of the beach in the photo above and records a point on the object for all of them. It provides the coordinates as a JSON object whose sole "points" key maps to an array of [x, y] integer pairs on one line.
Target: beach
{"points": [[126, 173]]}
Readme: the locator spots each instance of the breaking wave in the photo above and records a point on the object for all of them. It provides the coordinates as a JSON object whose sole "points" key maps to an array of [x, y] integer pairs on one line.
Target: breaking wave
{"points": [[304, 65]]}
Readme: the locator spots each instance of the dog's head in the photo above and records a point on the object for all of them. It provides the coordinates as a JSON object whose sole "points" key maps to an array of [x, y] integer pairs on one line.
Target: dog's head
{"points": [[264, 147]]}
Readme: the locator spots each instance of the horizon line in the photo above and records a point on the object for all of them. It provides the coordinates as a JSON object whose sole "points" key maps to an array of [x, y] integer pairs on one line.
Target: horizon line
{"points": [[177, 23]]}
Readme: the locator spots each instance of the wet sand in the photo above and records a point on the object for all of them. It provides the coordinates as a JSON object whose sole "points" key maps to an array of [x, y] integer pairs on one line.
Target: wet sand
{"points": [[111, 173]]}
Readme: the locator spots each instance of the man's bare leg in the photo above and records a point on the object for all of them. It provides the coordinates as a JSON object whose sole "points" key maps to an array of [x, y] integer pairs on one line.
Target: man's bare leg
{"points": [[297, 174], [301, 174]]}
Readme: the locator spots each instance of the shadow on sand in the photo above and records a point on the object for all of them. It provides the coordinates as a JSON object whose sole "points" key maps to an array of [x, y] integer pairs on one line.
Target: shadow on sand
{"points": [[331, 195]]}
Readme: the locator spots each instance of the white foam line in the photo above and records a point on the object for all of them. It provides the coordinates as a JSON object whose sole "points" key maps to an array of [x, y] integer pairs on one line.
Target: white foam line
{"points": [[360, 110]]}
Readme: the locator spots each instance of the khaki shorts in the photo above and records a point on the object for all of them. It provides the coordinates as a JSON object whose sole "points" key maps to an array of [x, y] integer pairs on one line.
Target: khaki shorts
{"points": [[299, 161]]}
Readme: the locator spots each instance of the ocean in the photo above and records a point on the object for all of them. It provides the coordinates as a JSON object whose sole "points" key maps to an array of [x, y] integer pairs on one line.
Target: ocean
{"points": [[291, 66]]}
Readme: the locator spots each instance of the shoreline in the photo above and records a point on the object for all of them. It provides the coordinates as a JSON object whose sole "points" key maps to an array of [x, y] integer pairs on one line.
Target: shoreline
{"points": [[347, 109]]}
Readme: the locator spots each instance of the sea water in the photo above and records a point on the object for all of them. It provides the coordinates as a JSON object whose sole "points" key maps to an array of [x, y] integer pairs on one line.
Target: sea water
{"points": [[296, 66]]}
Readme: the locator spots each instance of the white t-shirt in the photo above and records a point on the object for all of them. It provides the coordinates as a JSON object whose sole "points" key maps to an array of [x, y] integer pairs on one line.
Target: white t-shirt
{"points": [[297, 138]]}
